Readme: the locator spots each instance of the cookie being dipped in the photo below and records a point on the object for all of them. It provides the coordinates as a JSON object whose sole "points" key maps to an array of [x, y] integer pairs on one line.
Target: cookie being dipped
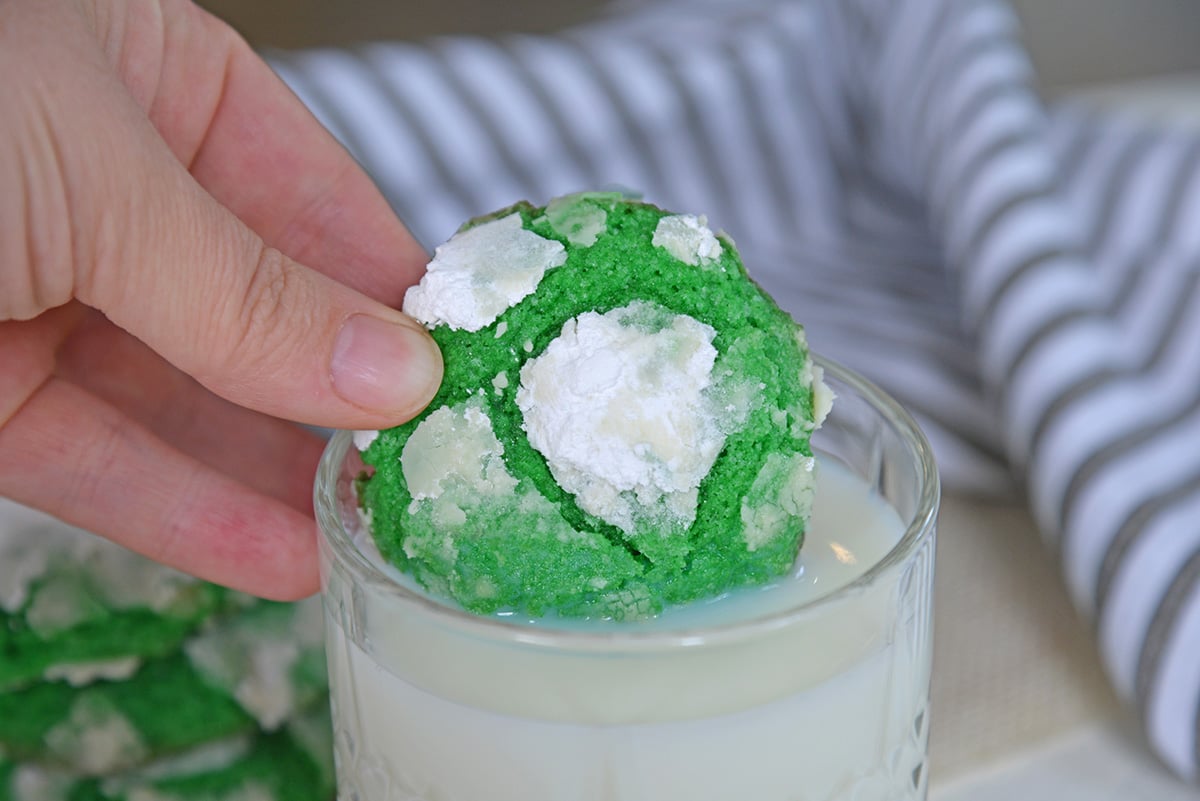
{"points": [[623, 425]]}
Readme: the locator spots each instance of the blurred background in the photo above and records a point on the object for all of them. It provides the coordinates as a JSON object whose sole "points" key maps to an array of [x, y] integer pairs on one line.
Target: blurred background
{"points": [[1074, 42]]}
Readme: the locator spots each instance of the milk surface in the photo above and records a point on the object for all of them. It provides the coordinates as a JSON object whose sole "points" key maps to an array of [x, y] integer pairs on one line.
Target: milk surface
{"points": [[738, 699]]}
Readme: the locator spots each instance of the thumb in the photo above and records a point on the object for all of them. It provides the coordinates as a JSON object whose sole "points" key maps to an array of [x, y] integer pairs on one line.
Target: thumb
{"points": [[258, 328], [165, 261]]}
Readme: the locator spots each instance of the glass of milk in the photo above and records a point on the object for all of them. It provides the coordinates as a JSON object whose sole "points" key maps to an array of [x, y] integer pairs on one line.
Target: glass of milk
{"points": [[812, 689]]}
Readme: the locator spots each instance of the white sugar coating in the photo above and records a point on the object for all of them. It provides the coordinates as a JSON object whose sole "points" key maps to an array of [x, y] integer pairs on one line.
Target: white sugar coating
{"points": [[455, 451], [617, 405], [453, 466], [34, 544], [363, 439], [19, 568], [479, 273], [258, 676], [205, 758], [80, 674], [314, 734], [249, 791], [36, 783], [59, 603], [812, 374], [450, 463], [687, 238], [76, 574], [24, 554], [255, 660], [581, 223], [266, 691], [823, 396], [500, 382], [126, 580], [782, 492], [96, 738]]}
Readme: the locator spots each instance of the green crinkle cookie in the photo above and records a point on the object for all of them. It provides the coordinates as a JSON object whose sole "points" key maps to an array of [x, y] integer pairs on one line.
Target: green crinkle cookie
{"points": [[259, 669], [74, 604], [110, 726], [288, 765], [623, 424]]}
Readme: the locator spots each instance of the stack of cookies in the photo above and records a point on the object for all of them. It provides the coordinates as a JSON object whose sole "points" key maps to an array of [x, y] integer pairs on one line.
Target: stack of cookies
{"points": [[123, 680]]}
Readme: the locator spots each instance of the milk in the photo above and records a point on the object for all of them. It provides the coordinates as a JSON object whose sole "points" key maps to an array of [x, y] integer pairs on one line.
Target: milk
{"points": [[796, 692]]}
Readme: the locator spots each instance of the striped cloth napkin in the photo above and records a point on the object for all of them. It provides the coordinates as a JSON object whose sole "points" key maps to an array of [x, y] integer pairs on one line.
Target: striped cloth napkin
{"points": [[1021, 277]]}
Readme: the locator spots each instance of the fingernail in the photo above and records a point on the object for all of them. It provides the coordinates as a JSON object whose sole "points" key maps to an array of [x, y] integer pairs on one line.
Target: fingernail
{"points": [[385, 366]]}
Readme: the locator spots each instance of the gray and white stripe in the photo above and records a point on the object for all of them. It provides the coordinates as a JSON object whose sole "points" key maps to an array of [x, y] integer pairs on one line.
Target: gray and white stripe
{"points": [[1087, 309], [1023, 278]]}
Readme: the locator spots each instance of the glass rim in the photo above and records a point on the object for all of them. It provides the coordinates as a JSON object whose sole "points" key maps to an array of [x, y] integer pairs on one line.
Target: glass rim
{"points": [[346, 553]]}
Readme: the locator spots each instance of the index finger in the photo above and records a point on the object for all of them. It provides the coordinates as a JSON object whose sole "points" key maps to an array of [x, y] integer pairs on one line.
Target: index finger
{"points": [[250, 142]]}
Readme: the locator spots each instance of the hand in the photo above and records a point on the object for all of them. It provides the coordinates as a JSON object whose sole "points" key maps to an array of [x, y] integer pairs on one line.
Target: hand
{"points": [[185, 257]]}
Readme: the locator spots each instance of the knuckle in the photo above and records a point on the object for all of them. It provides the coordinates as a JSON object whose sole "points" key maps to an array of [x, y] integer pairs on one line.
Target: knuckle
{"points": [[100, 452], [38, 250], [273, 310], [267, 291]]}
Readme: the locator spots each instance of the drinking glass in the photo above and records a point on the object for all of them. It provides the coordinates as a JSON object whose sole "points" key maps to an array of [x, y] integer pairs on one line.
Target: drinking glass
{"points": [[824, 700]]}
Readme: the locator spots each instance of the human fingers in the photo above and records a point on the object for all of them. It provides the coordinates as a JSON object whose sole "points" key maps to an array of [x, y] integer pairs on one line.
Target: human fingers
{"points": [[253, 145], [73, 455], [69, 453], [115, 220], [271, 456]]}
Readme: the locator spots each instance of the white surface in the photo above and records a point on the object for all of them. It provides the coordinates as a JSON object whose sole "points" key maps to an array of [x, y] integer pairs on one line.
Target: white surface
{"points": [[1014, 667], [1103, 762], [1171, 99]]}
